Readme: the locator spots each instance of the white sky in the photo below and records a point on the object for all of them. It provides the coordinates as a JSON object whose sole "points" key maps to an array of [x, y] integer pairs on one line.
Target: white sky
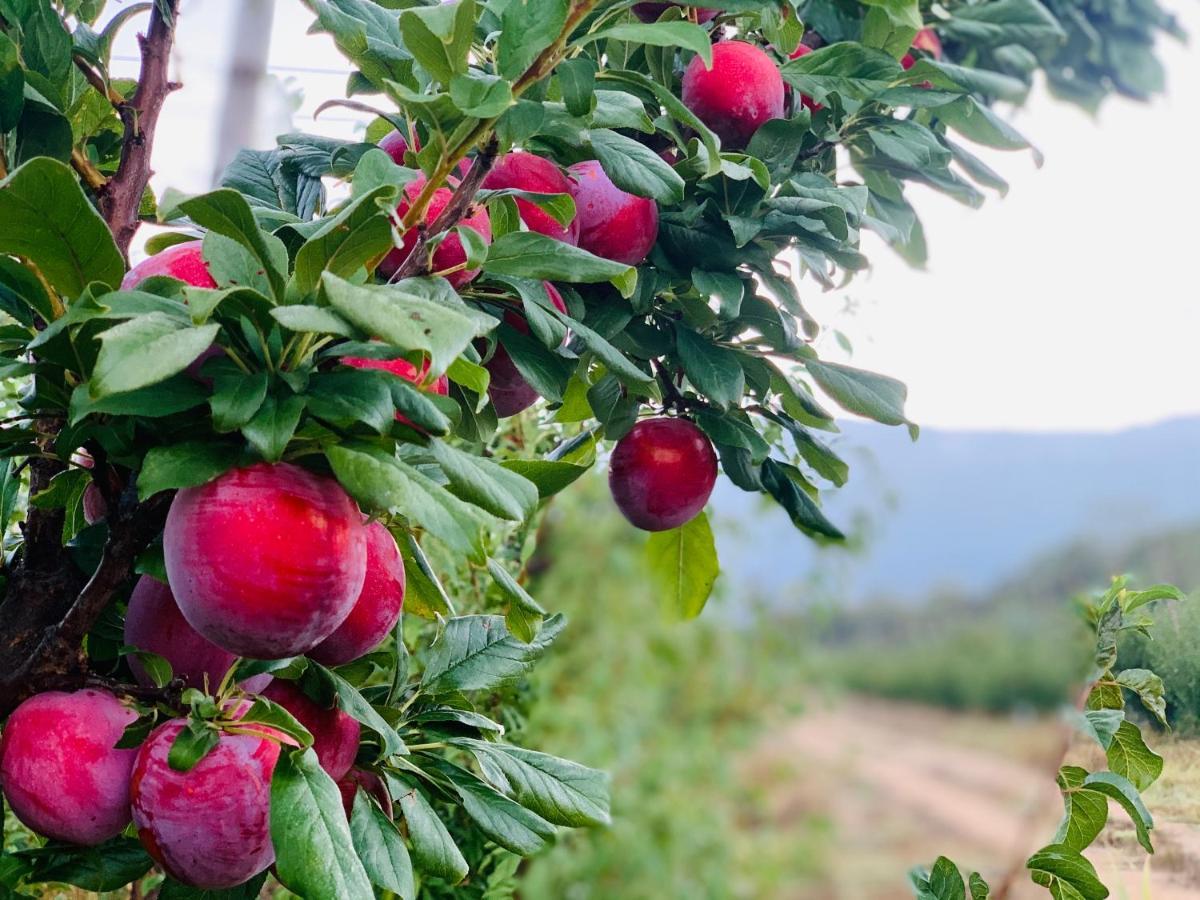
{"points": [[1072, 304]]}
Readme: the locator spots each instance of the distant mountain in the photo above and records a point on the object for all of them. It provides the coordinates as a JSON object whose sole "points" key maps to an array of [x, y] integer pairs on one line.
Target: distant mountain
{"points": [[963, 510]]}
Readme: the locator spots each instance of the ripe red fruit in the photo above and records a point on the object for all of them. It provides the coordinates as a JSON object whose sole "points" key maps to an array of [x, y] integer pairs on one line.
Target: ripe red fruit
{"points": [[527, 172], [182, 261], [395, 145], [378, 606], [612, 223], [652, 12], [926, 40], [154, 623], [661, 473], [449, 252], [509, 391], [335, 734], [369, 782], [209, 827], [741, 91], [806, 101], [265, 561], [62, 774]]}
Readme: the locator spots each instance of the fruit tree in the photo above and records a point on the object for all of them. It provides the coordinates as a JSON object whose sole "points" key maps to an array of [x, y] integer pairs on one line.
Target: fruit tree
{"points": [[346, 382]]}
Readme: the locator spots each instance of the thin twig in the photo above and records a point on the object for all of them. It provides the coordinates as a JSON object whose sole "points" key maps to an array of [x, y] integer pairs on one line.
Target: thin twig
{"points": [[417, 262], [122, 196]]}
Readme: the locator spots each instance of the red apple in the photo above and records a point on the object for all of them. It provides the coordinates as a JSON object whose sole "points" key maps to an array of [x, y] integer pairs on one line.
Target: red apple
{"points": [[154, 623], [61, 771], [369, 782], [612, 223], [265, 561], [527, 172], [378, 607], [335, 734], [395, 145], [662, 473], [184, 262], [927, 41], [509, 391], [449, 252], [741, 91], [806, 101], [652, 12], [209, 827]]}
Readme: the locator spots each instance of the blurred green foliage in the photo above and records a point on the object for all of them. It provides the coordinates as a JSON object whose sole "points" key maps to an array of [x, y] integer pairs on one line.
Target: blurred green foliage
{"points": [[669, 708]]}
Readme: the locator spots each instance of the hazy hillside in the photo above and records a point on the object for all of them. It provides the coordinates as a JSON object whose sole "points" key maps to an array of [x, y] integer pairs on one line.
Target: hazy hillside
{"points": [[964, 510]]}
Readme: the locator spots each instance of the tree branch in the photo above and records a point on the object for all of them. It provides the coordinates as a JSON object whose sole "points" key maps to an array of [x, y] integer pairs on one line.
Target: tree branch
{"points": [[417, 262], [121, 198]]}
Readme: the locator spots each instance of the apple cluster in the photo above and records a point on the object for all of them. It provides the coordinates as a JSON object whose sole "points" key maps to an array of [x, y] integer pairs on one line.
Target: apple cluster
{"points": [[269, 562]]}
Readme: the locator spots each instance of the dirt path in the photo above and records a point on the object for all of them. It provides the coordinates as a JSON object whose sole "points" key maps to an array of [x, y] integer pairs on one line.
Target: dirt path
{"points": [[900, 785]]}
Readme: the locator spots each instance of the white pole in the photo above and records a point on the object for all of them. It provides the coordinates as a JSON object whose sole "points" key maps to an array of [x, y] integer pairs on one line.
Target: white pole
{"points": [[251, 41]]}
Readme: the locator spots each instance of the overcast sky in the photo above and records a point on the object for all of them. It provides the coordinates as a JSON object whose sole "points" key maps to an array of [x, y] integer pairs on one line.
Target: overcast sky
{"points": [[1072, 304]]}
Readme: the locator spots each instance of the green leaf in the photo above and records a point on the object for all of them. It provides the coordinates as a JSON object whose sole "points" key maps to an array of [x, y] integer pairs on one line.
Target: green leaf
{"points": [[1129, 757], [868, 394], [1085, 812], [1119, 788], [675, 109], [849, 69], [49, 220], [476, 653], [433, 849], [683, 562], [272, 427], [487, 484], [635, 168], [1150, 690], [352, 396], [106, 867], [560, 791], [236, 398], [713, 369], [481, 96], [548, 476], [439, 37], [355, 705], [192, 744], [189, 464], [145, 351], [527, 27], [424, 595], [525, 614], [407, 320], [312, 320], [527, 254], [12, 84], [379, 481], [978, 887], [1025, 22], [1066, 874], [502, 820], [174, 890], [1133, 599], [314, 852], [780, 480], [684, 35], [226, 212], [381, 849], [361, 231]]}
